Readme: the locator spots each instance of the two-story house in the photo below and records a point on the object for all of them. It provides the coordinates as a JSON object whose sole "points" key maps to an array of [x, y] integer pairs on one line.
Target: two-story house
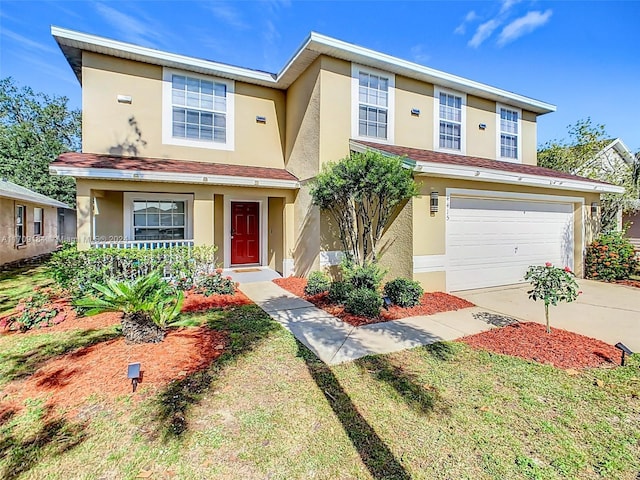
{"points": [[179, 149]]}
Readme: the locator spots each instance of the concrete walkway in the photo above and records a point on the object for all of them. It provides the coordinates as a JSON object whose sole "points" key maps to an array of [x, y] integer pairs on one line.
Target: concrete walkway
{"points": [[609, 312], [335, 341]]}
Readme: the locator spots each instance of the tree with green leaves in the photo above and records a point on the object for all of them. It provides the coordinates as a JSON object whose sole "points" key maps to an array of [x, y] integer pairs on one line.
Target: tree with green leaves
{"points": [[581, 155], [34, 129], [361, 193]]}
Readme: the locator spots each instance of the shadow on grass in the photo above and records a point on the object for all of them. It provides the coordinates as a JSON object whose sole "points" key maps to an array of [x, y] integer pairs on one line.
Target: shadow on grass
{"points": [[245, 326], [423, 399], [19, 365], [375, 454], [442, 351], [56, 435], [18, 283]]}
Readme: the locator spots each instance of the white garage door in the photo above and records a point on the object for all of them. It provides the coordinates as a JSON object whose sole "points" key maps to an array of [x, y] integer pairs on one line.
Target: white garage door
{"points": [[492, 242]]}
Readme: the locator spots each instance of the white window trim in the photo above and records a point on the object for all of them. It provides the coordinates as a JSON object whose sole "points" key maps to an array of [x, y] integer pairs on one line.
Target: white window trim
{"points": [[41, 222], [436, 121], [23, 224], [355, 104], [263, 225], [167, 112], [130, 197], [498, 133]]}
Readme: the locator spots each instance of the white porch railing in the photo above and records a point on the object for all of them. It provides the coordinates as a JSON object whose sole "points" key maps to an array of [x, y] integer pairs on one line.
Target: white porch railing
{"points": [[143, 244]]}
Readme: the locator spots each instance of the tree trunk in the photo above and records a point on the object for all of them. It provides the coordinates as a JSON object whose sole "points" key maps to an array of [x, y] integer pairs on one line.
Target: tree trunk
{"points": [[139, 328], [546, 314]]}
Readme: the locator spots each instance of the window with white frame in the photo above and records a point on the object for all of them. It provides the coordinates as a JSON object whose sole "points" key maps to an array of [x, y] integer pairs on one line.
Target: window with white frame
{"points": [[450, 114], [197, 110], [38, 216], [21, 234], [159, 220], [373, 110], [509, 132]]}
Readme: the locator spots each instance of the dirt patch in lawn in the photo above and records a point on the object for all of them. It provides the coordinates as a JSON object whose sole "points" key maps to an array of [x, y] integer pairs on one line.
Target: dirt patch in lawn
{"points": [[560, 348], [430, 303], [101, 370]]}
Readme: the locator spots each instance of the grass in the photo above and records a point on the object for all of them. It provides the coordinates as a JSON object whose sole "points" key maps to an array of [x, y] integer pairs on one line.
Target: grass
{"points": [[18, 283], [268, 408]]}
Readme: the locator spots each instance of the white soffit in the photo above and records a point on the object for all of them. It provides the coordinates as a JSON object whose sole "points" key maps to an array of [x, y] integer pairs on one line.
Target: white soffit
{"points": [[73, 43]]}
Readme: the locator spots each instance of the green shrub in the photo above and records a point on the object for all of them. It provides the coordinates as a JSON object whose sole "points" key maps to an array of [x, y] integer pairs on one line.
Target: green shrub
{"points": [[368, 276], [403, 292], [365, 302], [35, 311], [339, 291], [610, 257], [78, 270], [215, 284], [317, 283]]}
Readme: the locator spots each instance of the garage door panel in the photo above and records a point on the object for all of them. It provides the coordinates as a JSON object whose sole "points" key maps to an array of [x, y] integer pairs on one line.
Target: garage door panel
{"points": [[492, 242]]}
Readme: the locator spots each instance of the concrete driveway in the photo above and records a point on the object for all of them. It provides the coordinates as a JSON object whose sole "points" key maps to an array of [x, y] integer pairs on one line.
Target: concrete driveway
{"points": [[609, 312]]}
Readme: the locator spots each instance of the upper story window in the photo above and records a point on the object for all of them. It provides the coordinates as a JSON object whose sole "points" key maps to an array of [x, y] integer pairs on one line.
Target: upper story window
{"points": [[197, 110], [508, 133], [450, 121], [373, 104]]}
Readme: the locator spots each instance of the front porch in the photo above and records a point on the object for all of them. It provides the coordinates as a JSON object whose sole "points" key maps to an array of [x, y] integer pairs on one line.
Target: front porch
{"points": [[250, 227]]}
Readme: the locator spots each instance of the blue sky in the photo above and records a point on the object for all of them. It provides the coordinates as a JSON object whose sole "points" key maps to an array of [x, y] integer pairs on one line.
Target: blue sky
{"points": [[581, 56]]}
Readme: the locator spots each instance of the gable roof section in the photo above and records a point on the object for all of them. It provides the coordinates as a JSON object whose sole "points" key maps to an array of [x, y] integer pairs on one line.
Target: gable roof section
{"points": [[619, 146], [449, 165], [107, 167], [16, 192], [73, 43]]}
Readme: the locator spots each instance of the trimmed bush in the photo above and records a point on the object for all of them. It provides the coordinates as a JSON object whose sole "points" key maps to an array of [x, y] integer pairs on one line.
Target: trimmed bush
{"points": [[317, 283], [403, 292], [368, 276], [215, 284], [365, 302], [339, 292], [610, 257]]}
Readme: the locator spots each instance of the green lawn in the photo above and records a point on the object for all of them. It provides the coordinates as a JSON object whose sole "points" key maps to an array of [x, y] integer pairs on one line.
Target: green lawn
{"points": [[18, 283], [269, 409]]}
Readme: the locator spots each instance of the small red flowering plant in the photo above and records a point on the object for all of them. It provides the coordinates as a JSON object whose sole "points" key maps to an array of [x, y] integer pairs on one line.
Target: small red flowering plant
{"points": [[552, 285]]}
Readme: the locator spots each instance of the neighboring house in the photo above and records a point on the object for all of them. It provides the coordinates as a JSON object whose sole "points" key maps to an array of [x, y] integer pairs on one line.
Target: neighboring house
{"points": [[28, 223], [183, 150]]}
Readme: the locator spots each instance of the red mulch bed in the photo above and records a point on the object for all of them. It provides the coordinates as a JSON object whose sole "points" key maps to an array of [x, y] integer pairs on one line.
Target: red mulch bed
{"points": [[430, 303], [560, 348], [195, 302], [629, 283], [101, 369]]}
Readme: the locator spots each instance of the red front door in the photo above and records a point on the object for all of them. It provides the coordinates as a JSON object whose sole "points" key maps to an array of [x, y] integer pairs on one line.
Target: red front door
{"points": [[245, 233]]}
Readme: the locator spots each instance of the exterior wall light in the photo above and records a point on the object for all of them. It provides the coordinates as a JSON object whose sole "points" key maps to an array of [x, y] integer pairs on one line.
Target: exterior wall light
{"points": [[594, 208], [260, 119], [133, 373], [415, 112], [433, 203]]}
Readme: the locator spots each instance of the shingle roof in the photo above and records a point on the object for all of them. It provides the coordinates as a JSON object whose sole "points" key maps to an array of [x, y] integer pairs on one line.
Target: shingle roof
{"points": [[11, 190], [466, 161], [92, 160]]}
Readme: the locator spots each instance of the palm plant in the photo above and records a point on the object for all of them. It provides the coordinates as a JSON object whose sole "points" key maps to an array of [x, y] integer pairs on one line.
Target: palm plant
{"points": [[148, 305]]}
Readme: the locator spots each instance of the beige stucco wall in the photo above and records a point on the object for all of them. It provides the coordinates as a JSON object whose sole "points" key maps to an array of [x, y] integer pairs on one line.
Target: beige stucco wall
{"points": [[529, 138], [429, 231], [481, 143], [136, 129], [36, 245], [414, 130]]}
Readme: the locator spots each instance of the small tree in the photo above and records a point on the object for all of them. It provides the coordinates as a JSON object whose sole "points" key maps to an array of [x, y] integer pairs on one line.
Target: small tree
{"points": [[361, 192], [553, 285]]}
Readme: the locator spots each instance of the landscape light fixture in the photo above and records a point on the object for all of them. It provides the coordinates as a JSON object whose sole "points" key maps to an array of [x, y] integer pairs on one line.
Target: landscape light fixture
{"points": [[625, 351], [133, 372], [433, 204], [387, 302]]}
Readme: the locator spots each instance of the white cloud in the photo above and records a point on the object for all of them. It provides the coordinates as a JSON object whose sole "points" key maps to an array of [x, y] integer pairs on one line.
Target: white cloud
{"points": [[228, 14], [507, 4], [140, 29], [419, 54], [483, 32], [28, 43], [462, 28], [523, 25]]}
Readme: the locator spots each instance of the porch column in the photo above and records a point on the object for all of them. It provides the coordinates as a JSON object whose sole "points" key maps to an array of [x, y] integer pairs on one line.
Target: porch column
{"points": [[288, 267], [84, 216], [203, 220]]}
